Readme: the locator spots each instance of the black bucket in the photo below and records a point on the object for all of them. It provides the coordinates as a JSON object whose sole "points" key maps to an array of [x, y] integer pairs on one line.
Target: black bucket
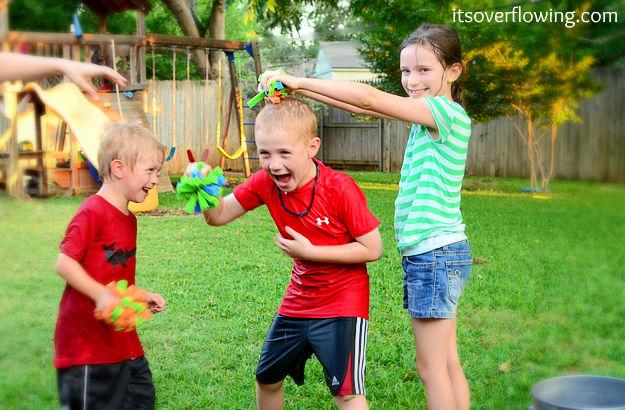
{"points": [[579, 393]]}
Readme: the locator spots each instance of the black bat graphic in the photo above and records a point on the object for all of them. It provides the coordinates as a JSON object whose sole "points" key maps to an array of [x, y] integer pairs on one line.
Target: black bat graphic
{"points": [[117, 257]]}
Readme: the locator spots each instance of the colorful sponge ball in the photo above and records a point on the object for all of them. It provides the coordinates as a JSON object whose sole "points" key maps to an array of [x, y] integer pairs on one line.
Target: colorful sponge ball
{"points": [[201, 190], [131, 310]]}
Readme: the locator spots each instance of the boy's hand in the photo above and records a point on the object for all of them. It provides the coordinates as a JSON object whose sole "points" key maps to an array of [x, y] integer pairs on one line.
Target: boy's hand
{"points": [[298, 248], [191, 167], [155, 301], [105, 299], [188, 172]]}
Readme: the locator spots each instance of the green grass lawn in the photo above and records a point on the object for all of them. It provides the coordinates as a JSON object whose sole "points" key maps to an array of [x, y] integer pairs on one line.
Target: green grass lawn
{"points": [[545, 299]]}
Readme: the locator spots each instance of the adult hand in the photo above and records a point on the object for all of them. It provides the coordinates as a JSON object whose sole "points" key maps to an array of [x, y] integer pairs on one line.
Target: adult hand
{"points": [[81, 74]]}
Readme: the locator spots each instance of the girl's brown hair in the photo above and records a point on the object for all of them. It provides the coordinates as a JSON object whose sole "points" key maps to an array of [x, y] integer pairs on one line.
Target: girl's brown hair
{"points": [[445, 45]]}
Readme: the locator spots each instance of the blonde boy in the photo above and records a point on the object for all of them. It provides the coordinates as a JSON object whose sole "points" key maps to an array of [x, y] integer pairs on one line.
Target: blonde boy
{"points": [[325, 226], [98, 367]]}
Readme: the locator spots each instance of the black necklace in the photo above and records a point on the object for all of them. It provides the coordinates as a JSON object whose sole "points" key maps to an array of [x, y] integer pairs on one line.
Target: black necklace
{"points": [[312, 197]]}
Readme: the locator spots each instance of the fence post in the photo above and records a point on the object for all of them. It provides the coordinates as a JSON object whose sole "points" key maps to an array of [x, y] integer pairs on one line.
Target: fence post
{"points": [[381, 136], [386, 152]]}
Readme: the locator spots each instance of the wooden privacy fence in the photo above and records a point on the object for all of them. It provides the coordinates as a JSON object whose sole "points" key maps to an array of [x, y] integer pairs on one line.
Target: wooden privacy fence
{"points": [[187, 118], [592, 150]]}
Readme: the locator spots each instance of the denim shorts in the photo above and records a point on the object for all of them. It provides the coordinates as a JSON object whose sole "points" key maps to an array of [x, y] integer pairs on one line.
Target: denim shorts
{"points": [[434, 281]]}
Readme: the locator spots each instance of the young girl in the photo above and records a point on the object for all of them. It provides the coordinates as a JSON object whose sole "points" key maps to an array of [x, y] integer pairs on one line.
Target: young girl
{"points": [[436, 258]]}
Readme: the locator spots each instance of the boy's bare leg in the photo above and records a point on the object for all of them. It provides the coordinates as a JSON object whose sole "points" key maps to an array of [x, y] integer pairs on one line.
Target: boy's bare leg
{"points": [[355, 402], [269, 396]]}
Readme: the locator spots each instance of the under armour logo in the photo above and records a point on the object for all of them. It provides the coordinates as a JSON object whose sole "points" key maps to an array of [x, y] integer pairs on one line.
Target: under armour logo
{"points": [[323, 221], [334, 381]]}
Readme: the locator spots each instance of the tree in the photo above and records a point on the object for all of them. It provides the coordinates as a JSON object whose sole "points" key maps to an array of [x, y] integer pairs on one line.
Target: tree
{"points": [[569, 82], [175, 17], [538, 71], [56, 16], [542, 92], [213, 25]]}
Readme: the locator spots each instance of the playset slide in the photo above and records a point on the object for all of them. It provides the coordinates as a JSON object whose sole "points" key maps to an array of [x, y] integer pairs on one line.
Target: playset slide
{"points": [[86, 121]]}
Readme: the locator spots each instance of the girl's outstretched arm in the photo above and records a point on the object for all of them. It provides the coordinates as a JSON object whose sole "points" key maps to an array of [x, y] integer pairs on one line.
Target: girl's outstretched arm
{"points": [[362, 96], [337, 104]]}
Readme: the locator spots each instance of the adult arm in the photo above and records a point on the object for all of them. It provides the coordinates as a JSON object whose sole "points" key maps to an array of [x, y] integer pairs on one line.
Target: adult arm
{"points": [[27, 67]]}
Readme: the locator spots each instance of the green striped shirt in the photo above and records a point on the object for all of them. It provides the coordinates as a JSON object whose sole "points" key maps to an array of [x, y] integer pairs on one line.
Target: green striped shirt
{"points": [[428, 203]]}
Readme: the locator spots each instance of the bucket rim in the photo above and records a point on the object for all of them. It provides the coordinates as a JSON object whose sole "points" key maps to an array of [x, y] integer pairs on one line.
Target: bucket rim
{"points": [[572, 376]]}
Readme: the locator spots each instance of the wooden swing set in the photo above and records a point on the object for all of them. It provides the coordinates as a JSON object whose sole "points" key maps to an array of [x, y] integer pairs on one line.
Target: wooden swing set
{"points": [[130, 103], [235, 100]]}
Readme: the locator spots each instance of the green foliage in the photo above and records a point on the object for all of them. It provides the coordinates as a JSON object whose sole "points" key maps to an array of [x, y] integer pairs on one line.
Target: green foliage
{"points": [[284, 14], [533, 310], [544, 93], [160, 21], [385, 24], [333, 22], [486, 87], [41, 15], [493, 89], [56, 16]]}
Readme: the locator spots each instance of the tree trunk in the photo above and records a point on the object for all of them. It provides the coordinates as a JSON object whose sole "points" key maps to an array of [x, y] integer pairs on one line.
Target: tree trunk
{"points": [[188, 22], [217, 30], [538, 144], [530, 150], [552, 155]]}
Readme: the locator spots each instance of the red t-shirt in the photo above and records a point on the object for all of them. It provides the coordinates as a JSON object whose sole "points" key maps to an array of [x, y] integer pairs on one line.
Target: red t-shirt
{"points": [[103, 240], [338, 215]]}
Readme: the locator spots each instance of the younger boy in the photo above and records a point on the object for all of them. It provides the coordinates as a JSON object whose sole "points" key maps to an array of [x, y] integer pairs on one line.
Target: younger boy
{"points": [[98, 367], [326, 227]]}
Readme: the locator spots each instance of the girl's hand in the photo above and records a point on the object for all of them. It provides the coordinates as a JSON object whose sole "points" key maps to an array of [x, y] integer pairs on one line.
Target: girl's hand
{"points": [[298, 248], [81, 74], [289, 81], [156, 302]]}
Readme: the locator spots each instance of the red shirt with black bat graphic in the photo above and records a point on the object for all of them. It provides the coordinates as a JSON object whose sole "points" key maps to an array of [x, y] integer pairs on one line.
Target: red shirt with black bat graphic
{"points": [[103, 240]]}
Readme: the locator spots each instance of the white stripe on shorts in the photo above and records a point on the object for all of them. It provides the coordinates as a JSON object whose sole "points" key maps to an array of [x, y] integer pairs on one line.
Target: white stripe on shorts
{"points": [[84, 391], [360, 350]]}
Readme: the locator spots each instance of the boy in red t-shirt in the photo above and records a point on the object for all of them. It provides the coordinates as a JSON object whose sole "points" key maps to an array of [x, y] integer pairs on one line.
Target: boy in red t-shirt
{"points": [[326, 227], [98, 367]]}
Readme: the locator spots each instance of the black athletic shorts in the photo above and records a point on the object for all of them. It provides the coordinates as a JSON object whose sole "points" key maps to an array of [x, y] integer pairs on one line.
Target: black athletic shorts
{"points": [[339, 344], [124, 385]]}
